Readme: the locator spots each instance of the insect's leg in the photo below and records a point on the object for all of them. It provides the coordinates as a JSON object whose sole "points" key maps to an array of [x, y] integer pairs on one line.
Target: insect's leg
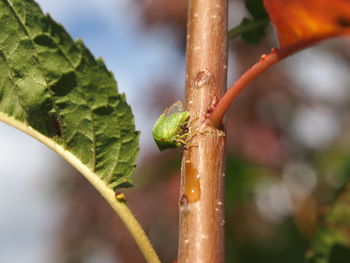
{"points": [[186, 142], [183, 136], [187, 146], [192, 135], [180, 140], [190, 121]]}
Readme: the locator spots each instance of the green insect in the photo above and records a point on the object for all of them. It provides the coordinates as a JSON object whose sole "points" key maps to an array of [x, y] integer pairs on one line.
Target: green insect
{"points": [[171, 129]]}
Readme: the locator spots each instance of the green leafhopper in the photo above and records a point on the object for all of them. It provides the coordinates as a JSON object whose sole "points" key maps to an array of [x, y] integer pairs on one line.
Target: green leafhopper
{"points": [[171, 129]]}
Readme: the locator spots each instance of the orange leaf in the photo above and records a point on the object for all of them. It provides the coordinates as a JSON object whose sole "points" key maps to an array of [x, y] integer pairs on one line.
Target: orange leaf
{"points": [[308, 20]]}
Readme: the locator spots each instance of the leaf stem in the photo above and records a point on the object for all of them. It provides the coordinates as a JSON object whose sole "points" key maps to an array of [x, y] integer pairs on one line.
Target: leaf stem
{"points": [[265, 62], [241, 29], [120, 208]]}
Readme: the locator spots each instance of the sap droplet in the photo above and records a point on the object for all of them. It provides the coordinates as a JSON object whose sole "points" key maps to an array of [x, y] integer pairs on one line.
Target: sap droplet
{"points": [[192, 189]]}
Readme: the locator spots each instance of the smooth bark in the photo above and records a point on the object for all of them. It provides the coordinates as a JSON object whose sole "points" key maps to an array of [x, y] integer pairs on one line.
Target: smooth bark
{"points": [[201, 236]]}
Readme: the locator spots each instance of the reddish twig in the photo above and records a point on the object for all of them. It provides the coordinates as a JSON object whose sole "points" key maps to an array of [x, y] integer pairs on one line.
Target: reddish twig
{"points": [[265, 62]]}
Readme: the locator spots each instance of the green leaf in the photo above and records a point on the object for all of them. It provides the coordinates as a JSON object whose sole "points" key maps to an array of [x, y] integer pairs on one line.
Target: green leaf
{"points": [[256, 8], [257, 24], [332, 237], [52, 88], [256, 32], [252, 30]]}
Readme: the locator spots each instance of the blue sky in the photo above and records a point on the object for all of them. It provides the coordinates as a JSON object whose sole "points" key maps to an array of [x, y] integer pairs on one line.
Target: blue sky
{"points": [[111, 29]]}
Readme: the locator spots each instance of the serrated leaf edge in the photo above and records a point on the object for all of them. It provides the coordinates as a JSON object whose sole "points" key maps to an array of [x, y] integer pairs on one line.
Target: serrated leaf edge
{"points": [[107, 193]]}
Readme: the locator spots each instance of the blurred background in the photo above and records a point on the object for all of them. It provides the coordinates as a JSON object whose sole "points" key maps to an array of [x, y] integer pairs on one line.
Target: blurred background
{"points": [[288, 147]]}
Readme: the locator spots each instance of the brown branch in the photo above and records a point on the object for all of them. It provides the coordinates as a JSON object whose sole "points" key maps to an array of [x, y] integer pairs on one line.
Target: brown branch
{"points": [[201, 195]]}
